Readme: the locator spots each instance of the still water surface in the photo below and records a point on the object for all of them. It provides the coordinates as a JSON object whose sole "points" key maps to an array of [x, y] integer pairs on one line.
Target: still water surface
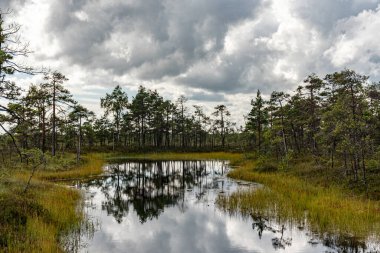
{"points": [[169, 207]]}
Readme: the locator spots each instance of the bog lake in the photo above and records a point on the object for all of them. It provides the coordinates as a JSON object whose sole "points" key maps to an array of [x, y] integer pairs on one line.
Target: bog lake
{"points": [[170, 206]]}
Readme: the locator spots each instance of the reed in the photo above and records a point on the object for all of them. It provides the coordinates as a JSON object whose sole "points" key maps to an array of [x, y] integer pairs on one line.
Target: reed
{"points": [[92, 165], [291, 199], [34, 221], [234, 158]]}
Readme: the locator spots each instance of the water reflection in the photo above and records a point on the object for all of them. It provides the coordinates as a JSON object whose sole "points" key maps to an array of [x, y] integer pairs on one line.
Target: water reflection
{"points": [[261, 224], [168, 206], [334, 242], [149, 187]]}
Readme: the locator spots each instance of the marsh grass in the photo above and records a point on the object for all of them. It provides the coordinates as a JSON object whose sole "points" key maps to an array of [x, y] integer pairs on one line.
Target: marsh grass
{"points": [[234, 158], [33, 222], [291, 199], [91, 165], [36, 220]]}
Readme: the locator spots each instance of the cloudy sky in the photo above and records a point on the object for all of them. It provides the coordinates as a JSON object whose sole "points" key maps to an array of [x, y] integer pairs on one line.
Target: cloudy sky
{"points": [[214, 51]]}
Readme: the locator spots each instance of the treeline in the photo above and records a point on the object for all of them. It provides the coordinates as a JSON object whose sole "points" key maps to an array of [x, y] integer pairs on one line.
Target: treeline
{"points": [[149, 120], [48, 118], [335, 118]]}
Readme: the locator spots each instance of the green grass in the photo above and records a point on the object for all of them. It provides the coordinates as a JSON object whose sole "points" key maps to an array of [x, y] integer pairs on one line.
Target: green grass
{"points": [[290, 199], [289, 195], [234, 158], [321, 173], [91, 166], [35, 221]]}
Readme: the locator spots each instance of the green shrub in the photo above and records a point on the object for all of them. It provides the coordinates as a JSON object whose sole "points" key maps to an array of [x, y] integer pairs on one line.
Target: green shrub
{"points": [[264, 164]]}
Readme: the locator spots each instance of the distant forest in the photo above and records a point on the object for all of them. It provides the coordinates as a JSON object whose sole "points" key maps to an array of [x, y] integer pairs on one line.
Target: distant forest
{"points": [[335, 117]]}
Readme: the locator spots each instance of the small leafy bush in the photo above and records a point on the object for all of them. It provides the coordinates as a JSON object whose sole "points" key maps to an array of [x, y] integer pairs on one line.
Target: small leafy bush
{"points": [[264, 164]]}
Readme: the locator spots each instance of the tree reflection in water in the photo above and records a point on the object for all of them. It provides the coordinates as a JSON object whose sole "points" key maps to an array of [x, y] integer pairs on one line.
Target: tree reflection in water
{"points": [[142, 190], [337, 243], [148, 187], [261, 224]]}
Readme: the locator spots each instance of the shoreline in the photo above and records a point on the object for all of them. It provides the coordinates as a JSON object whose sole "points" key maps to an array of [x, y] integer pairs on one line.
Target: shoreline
{"points": [[330, 209]]}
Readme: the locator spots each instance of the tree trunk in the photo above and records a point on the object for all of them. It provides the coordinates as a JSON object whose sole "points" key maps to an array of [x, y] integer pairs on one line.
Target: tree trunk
{"points": [[79, 140], [53, 139]]}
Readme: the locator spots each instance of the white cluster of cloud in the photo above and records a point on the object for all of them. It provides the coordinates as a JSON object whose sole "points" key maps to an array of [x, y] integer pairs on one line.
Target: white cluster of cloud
{"points": [[215, 51]]}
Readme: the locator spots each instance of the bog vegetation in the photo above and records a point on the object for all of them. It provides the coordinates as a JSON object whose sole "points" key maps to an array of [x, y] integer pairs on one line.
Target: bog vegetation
{"points": [[334, 119], [331, 123]]}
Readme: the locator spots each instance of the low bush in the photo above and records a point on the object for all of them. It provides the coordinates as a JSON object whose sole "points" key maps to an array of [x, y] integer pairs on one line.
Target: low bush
{"points": [[265, 164]]}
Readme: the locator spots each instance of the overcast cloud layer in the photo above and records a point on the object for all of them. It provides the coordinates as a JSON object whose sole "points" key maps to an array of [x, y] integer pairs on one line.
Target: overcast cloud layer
{"points": [[214, 51]]}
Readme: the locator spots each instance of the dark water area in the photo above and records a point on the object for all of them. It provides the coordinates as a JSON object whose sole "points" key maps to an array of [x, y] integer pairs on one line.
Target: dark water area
{"points": [[169, 207]]}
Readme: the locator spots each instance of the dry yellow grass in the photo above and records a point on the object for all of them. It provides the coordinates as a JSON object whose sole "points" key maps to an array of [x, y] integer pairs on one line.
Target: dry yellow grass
{"points": [[50, 210], [234, 158], [92, 166], [289, 198], [284, 197]]}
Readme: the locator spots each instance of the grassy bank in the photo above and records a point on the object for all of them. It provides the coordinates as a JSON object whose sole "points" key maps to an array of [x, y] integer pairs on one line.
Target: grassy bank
{"points": [[234, 158], [288, 198], [34, 221], [91, 166], [304, 191]]}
